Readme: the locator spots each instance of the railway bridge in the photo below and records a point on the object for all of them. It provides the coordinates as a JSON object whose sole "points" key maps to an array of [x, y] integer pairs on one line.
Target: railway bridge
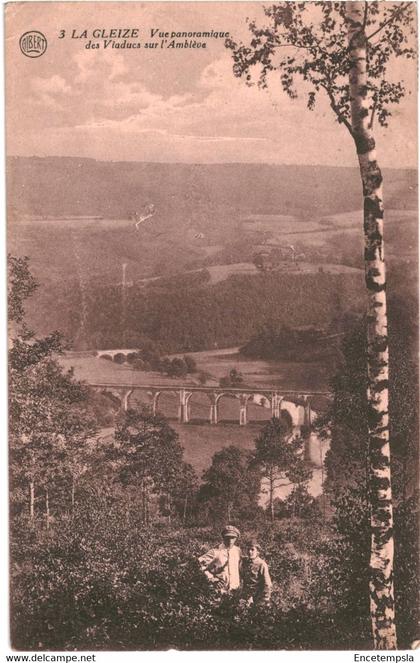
{"points": [[274, 399]]}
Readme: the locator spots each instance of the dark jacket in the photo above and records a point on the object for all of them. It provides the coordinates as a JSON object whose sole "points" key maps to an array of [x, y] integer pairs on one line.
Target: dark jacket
{"points": [[257, 581]]}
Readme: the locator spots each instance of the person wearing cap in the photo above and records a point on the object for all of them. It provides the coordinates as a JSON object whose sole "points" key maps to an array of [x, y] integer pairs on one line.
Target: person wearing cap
{"points": [[256, 577], [221, 565]]}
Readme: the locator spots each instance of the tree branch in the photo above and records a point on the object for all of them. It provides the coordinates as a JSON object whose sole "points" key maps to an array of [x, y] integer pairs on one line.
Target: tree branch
{"points": [[277, 485], [365, 15], [341, 117], [395, 15]]}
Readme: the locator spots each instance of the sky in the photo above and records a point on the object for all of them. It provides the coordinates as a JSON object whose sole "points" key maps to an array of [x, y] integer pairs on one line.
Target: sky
{"points": [[168, 105]]}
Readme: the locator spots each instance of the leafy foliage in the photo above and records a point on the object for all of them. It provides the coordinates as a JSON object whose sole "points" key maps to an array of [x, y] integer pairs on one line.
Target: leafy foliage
{"points": [[346, 557], [300, 504], [278, 457], [225, 313], [348, 414], [231, 488], [233, 379], [117, 571], [95, 584], [308, 42], [281, 342], [49, 417], [21, 285], [149, 358], [145, 453]]}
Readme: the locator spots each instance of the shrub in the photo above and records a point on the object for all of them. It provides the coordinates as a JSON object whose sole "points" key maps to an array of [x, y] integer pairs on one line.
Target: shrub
{"points": [[301, 504], [132, 357], [96, 583], [233, 379], [203, 377], [175, 367], [150, 354], [190, 363]]}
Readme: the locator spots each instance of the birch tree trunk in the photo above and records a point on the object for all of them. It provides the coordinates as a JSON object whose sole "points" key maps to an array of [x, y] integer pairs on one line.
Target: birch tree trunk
{"points": [[381, 587]]}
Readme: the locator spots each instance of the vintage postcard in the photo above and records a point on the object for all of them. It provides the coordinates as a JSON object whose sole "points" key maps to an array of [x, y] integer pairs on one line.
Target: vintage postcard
{"points": [[213, 291]]}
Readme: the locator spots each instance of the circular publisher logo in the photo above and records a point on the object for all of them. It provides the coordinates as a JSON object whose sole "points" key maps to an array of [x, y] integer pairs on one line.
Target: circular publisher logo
{"points": [[33, 44]]}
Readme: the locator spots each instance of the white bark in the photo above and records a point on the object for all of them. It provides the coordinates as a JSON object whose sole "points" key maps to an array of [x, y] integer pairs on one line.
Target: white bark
{"points": [[379, 469]]}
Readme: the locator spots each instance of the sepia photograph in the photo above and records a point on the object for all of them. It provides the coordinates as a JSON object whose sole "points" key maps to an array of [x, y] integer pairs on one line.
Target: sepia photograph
{"points": [[212, 271]]}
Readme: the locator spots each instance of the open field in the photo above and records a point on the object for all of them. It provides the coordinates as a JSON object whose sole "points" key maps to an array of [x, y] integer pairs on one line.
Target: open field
{"points": [[313, 228], [391, 216], [277, 219], [222, 272], [93, 370], [74, 223], [318, 230], [310, 376]]}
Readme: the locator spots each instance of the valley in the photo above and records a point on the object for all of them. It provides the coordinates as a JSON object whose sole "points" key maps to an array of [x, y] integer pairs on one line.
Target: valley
{"points": [[189, 280]]}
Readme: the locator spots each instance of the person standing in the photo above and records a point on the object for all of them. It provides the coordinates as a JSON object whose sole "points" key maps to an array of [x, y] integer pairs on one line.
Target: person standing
{"points": [[256, 576], [221, 565]]}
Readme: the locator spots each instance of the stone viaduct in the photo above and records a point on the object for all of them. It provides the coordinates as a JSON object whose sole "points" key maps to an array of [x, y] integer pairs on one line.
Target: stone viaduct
{"points": [[274, 399], [112, 353]]}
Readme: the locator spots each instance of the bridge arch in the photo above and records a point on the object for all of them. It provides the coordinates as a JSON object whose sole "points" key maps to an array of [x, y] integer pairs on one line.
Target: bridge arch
{"points": [[171, 411], [241, 398], [120, 393], [197, 406], [260, 408], [225, 399]]}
